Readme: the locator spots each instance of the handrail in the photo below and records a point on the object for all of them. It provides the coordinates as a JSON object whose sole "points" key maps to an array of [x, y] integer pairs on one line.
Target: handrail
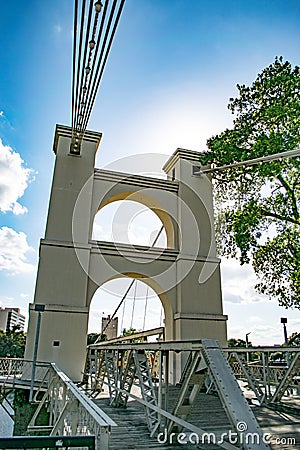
{"points": [[261, 349], [155, 346], [71, 412], [101, 418]]}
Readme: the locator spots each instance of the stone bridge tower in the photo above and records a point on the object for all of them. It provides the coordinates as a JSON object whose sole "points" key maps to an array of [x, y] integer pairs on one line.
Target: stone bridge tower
{"points": [[185, 275]]}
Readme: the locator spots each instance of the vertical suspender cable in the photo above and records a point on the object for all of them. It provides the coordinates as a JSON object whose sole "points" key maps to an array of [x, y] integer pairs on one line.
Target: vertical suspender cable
{"points": [[74, 64], [133, 305], [129, 287], [146, 304], [122, 320], [161, 315], [79, 61]]}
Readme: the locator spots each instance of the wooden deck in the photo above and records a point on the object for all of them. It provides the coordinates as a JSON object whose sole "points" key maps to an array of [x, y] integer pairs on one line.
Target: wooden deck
{"points": [[132, 432]]}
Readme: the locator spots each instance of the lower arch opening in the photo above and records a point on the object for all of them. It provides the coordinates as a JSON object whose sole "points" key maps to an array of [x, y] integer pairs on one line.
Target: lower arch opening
{"points": [[125, 305]]}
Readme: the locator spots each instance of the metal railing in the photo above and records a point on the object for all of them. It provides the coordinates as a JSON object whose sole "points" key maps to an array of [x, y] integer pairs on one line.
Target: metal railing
{"points": [[270, 381], [13, 374], [71, 412], [124, 366], [17, 370]]}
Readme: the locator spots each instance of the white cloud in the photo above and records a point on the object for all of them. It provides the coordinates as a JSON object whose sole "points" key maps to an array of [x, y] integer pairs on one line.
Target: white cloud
{"points": [[13, 251], [14, 180], [238, 283], [1, 113]]}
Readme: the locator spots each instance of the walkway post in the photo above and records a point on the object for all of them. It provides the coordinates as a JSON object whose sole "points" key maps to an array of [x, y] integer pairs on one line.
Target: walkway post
{"points": [[39, 309]]}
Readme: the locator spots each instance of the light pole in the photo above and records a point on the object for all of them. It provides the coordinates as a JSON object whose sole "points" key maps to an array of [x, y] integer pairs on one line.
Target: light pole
{"points": [[247, 345], [39, 309], [283, 320]]}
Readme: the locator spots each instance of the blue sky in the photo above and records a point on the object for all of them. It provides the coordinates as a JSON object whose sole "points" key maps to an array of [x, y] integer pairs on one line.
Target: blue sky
{"points": [[172, 68]]}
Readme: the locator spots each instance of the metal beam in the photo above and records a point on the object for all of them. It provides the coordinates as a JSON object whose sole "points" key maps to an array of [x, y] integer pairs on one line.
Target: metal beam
{"points": [[48, 442], [122, 339], [236, 406], [252, 381], [261, 349], [290, 373], [176, 346]]}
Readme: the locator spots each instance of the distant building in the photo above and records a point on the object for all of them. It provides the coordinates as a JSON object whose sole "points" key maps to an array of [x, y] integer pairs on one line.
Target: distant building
{"points": [[112, 327], [10, 318]]}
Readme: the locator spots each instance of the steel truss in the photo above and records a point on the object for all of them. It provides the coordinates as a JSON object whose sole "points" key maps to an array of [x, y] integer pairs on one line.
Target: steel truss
{"points": [[269, 382], [132, 366]]}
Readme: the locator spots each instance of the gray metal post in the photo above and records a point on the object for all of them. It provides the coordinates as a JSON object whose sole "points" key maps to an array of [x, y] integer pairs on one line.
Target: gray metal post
{"points": [[247, 346], [38, 308], [166, 379], [160, 382]]}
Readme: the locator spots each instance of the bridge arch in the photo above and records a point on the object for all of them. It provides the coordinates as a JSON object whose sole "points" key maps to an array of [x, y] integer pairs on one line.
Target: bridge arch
{"points": [[161, 296]]}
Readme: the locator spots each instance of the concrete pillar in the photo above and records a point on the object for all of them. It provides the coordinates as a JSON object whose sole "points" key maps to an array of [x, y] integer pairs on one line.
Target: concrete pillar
{"points": [[199, 312], [62, 280]]}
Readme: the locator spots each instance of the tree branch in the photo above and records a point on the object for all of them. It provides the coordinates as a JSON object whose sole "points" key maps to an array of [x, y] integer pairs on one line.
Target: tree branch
{"points": [[291, 195], [267, 213]]}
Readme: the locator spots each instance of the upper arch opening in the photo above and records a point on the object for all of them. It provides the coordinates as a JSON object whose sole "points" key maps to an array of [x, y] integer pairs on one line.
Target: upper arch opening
{"points": [[133, 218]]}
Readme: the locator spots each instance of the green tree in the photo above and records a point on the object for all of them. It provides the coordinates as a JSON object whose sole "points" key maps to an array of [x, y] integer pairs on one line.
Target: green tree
{"points": [[294, 340], [257, 207], [12, 344], [92, 337], [238, 343], [129, 331]]}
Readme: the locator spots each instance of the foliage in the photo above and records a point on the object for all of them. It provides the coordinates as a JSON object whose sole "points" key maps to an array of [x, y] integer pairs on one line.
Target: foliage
{"points": [[294, 340], [238, 343], [257, 207], [12, 344], [92, 337], [129, 332]]}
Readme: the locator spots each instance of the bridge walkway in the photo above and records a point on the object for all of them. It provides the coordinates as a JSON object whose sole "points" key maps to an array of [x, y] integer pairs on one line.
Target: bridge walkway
{"points": [[207, 414]]}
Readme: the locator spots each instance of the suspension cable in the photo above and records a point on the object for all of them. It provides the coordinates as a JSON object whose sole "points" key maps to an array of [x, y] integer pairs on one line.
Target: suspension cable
{"points": [[251, 162], [90, 55], [77, 68], [103, 64], [74, 62]]}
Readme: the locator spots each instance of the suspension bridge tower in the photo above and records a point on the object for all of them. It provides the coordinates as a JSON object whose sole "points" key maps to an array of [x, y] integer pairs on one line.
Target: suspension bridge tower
{"points": [[185, 275]]}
